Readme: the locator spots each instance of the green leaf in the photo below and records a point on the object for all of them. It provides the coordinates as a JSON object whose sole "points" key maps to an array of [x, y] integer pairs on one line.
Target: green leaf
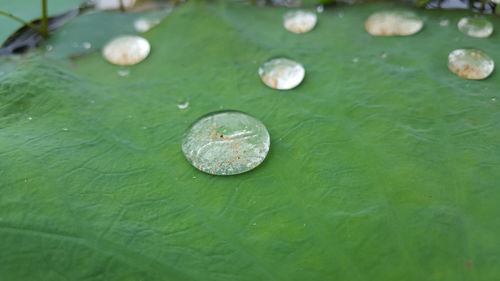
{"points": [[384, 169]]}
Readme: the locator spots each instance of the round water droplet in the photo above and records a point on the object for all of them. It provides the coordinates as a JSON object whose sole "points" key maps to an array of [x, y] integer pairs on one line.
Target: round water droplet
{"points": [[470, 64], [478, 27], [393, 23], [144, 24], [299, 21], [87, 45], [320, 9], [282, 73], [226, 143], [126, 50]]}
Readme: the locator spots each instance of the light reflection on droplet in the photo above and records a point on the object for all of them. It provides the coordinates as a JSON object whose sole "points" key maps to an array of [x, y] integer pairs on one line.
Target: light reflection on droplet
{"points": [[299, 21], [126, 50], [183, 105], [320, 9], [478, 27], [282, 73], [226, 143], [87, 45], [355, 60], [49, 48], [470, 64], [393, 23], [113, 4]]}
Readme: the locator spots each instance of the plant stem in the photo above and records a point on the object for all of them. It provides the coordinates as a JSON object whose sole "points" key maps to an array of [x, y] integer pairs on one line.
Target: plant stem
{"points": [[44, 30], [30, 25]]}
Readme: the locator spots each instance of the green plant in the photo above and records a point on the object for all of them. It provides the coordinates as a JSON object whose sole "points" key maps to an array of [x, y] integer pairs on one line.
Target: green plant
{"points": [[42, 28]]}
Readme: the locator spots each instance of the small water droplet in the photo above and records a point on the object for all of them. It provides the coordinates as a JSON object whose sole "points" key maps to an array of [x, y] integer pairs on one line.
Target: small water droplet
{"points": [[299, 21], [123, 72], [126, 50], [65, 129], [383, 55], [444, 22], [320, 9], [226, 143], [183, 105], [355, 60], [282, 73], [478, 27], [30, 118], [254, 224], [493, 99], [393, 23], [142, 25], [470, 64], [49, 48], [87, 45]]}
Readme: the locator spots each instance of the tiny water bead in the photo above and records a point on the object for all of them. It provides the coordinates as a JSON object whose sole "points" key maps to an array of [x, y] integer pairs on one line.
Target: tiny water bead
{"points": [[478, 27], [123, 72], [299, 21], [142, 25], [126, 50], [87, 45], [226, 143], [393, 23], [183, 105], [470, 64], [282, 73]]}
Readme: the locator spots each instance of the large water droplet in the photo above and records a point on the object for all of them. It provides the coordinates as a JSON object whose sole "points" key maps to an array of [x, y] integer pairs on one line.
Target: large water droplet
{"points": [[393, 23], [299, 21], [126, 50], [226, 143], [470, 64], [478, 27], [282, 73]]}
